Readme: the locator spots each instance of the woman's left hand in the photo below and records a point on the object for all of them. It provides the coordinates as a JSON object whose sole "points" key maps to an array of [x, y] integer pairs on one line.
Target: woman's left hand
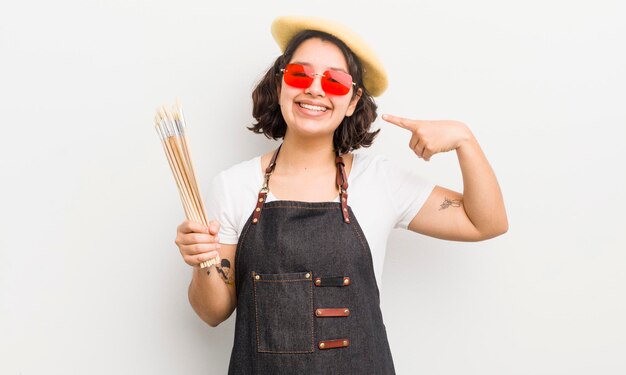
{"points": [[430, 137]]}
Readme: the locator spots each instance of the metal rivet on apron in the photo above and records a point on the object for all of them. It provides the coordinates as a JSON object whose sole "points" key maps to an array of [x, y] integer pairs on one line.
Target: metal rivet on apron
{"points": [[318, 312], [346, 311], [258, 209], [257, 277], [345, 209], [322, 345], [345, 342], [255, 220], [318, 282], [346, 281], [260, 199], [308, 275]]}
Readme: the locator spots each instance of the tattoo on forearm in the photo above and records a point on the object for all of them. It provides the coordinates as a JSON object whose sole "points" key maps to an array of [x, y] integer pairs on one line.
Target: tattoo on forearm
{"points": [[223, 270], [450, 203]]}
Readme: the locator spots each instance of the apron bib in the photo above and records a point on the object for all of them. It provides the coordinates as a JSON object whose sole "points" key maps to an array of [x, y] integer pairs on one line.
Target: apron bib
{"points": [[307, 298]]}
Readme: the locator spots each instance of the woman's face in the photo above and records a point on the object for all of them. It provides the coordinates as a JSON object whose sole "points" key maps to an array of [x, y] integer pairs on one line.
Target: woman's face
{"points": [[310, 111]]}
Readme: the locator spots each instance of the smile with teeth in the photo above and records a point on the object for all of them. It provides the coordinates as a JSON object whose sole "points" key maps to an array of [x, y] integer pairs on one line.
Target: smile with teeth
{"points": [[313, 107]]}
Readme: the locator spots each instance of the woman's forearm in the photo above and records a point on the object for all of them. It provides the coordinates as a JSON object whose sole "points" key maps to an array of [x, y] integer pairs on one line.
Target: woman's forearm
{"points": [[482, 198], [211, 298]]}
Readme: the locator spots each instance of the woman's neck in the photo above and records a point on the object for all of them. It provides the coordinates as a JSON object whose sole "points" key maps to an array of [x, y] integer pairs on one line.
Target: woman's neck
{"points": [[300, 156], [305, 171]]}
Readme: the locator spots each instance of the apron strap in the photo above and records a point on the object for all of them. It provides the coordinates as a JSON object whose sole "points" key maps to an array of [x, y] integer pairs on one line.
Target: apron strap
{"points": [[272, 165], [265, 189], [342, 184]]}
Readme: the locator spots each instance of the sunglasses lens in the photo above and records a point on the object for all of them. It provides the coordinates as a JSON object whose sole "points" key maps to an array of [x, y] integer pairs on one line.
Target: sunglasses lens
{"points": [[295, 75], [336, 82]]}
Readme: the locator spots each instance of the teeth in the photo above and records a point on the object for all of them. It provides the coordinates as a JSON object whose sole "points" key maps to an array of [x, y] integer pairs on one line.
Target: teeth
{"points": [[313, 107]]}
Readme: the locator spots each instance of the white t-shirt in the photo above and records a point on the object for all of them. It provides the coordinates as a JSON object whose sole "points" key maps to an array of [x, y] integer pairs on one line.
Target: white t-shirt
{"points": [[382, 195]]}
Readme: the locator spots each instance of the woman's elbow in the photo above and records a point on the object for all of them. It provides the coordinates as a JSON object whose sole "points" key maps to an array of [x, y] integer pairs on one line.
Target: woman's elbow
{"points": [[486, 232], [212, 320], [213, 323], [504, 228], [496, 230], [503, 225]]}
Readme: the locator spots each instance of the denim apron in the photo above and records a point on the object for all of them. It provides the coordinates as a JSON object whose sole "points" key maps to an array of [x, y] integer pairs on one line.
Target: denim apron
{"points": [[307, 298]]}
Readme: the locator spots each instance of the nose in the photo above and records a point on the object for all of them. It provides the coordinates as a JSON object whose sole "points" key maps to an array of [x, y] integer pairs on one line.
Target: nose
{"points": [[316, 86]]}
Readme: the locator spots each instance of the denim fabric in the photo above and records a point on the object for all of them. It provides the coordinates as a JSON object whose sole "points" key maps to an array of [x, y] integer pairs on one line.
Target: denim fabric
{"points": [[277, 297], [276, 330]]}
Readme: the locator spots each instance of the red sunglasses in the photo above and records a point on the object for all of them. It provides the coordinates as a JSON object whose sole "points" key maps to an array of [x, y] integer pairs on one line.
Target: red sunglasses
{"points": [[334, 82]]}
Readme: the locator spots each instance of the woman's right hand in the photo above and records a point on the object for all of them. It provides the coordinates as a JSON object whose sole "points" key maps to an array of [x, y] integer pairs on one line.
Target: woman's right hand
{"points": [[196, 242]]}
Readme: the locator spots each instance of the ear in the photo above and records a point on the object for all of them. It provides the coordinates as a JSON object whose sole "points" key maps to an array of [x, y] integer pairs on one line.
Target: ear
{"points": [[354, 102]]}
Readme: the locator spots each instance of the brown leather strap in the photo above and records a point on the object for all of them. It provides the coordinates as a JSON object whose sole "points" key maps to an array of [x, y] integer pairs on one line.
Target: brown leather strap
{"points": [[344, 207], [332, 344], [259, 204], [272, 164], [342, 184], [334, 312], [265, 189], [342, 181]]}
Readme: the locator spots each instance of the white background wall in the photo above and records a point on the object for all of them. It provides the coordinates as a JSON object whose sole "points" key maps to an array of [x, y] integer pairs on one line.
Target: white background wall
{"points": [[92, 283]]}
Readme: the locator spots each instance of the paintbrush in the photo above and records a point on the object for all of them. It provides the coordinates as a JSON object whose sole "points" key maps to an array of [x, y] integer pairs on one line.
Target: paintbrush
{"points": [[170, 125]]}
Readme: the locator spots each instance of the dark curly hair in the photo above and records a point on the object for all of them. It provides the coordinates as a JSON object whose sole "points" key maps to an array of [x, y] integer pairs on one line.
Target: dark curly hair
{"points": [[352, 133]]}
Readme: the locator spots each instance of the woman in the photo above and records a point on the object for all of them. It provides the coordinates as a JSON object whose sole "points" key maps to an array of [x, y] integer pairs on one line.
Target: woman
{"points": [[306, 258]]}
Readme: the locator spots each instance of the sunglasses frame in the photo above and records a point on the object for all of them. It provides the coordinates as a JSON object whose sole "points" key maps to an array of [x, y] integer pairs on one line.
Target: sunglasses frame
{"points": [[326, 76]]}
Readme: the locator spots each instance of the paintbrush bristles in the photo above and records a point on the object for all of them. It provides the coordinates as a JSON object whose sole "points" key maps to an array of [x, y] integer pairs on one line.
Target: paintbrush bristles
{"points": [[170, 125]]}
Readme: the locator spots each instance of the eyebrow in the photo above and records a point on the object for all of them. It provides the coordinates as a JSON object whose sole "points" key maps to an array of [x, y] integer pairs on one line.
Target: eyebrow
{"points": [[329, 68]]}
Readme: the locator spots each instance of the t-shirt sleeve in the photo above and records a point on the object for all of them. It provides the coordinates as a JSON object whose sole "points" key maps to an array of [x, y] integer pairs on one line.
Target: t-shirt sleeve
{"points": [[407, 191], [219, 207]]}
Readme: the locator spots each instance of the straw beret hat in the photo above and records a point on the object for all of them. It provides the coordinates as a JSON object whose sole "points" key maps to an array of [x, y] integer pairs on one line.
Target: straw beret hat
{"points": [[374, 75]]}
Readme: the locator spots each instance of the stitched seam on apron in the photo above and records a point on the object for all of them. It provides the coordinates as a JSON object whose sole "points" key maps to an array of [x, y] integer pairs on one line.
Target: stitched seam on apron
{"points": [[256, 318], [366, 250], [312, 320], [301, 207], [240, 245], [277, 281]]}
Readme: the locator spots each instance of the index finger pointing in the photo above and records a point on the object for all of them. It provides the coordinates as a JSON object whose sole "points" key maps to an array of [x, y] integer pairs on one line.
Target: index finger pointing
{"points": [[399, 121]]}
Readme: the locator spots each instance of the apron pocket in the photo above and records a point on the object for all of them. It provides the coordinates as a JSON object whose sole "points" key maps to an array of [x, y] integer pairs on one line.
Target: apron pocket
{"points": [[284, 312]]}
